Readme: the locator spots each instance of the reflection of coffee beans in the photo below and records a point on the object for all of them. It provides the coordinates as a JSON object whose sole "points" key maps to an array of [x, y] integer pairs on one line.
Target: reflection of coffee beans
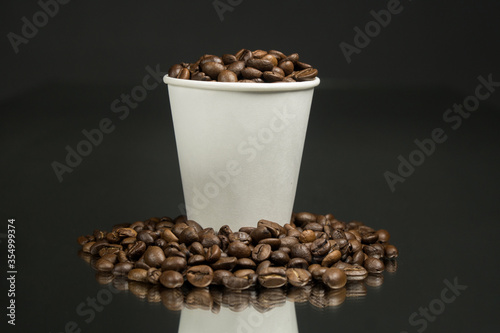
{"points": [[311, 249], [246, 66]]}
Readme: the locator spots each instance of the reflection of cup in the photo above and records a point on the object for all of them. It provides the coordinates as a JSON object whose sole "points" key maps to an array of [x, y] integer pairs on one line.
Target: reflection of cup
{"points": [[280, 319], [240, 147]]}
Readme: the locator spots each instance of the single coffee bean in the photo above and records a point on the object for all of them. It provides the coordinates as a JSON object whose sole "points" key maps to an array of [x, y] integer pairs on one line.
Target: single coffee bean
{"points": [[153, 275], [213, 254], [331, 258], [188, 236], [227, 76], [122, 268], [302, 65], [369, 238], [212, 69], [200, 76], [240, 237], [171, 279], [146, 237], [239, 250], [353, 272], [320, 247], [228, 59], [288, 79], [262, 266], [260, 233], [210, 240], [383, 235], [108, 250], [289, 241], [138, 274], [374, 265], [298, 277], [306, 74], [87, 246], [287, 66], [279, 258], [196, 248], [334, 278], [275, 228], [104, 265], [136, 250], [298, 263], [391, 251], [358, 258], [227, 263], [271, 58], [175, 70], [244, 263], [272, 277], [244, 55], [209, 58], [185, 74], [154, 256], [174, 264], [261, 252], [317, 272], [97, 246], [307, 236], [304, 218], [251, 73], [200, 276], [236, 283], [277, 54], [196, 259], [275, 243], [219, 275], [301, 251], [111, 257]]}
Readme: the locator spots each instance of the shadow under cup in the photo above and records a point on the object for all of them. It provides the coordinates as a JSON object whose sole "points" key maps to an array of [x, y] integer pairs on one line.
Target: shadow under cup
{"points": [[240, 147]]}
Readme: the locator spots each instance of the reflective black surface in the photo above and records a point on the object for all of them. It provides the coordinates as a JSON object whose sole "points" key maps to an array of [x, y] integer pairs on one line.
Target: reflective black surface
{"points": [[443, 218]]}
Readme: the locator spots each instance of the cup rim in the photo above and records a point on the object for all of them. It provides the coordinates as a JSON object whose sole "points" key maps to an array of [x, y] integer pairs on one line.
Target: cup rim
{"points": [[236, 86]]}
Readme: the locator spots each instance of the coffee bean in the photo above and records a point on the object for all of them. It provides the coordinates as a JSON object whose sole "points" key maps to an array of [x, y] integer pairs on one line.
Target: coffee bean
{"points": [[317, 272], [174, 263], [334, 278], [146, 237], [383, 235], [227, 263], [174, 70], [272, 277], [391, 252], [275, 243], [307, 236], [213, 253], [200, 276], [210, 240], [304, 218], [239, 250], [212, 69], [275, 229], [236, 283], [244, 263], [228, 59], [244, 55], [287, 66], [171, 279], [261, 252], [196, 259], [279, 55], [227, 76], [331, 258], [97, 246], [219, 275], [154, 256], [138, 274], [251, 73], [240, 237], [185, 74], [260, 233], [301, 251], [298, 263], [188, 236], [261, 64], [374, 265], [104, 265], [153, 275], [298, 277], [289, 241], [200, 76], [271, 58], [209, 58], [136, 250], [353, 272], [122, 268], [302, 65], [306, 74]]}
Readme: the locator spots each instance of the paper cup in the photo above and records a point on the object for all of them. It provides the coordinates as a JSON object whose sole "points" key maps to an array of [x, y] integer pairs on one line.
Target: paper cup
{"points": [[240, 147], [281, 319]]}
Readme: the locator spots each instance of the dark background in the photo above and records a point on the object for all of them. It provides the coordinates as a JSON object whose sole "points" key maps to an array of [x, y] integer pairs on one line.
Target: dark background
{"points": [[443, 218]]}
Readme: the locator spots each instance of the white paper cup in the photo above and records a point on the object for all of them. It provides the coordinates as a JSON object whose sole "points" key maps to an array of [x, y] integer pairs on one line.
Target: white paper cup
{"points": [[240, 147], [281, 319]]}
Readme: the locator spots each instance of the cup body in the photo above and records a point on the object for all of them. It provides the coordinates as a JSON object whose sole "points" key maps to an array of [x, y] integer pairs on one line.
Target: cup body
{"points": [[240, 148]]}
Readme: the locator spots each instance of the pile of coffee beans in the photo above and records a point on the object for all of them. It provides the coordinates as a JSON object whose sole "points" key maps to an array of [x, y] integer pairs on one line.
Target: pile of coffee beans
{"points": [[246, 66], [173, 252]]}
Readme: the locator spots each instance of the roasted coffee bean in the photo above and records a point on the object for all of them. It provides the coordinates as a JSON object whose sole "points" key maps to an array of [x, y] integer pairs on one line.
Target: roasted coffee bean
{"points": [[289, 241], [334, 278], [196, 259], [251, 73], [272, 277], [317, 272], [259, 234], [219, 275], [108, 250], [298, 263], [188, 236], [244, 55], [271, 58], [112, 237], [97, 246], [228, 59], [210, 240], [314, 226], [306, 74], [236, 283], [111, 257], [146, 237], [261, 252], [200, 76], [136, 250], [122, 268], [244, 263], [374, 265], [331, 258], [239, 250], [261, 64], [353, 272], [161, 243], [391, 252], [172, 299], [128, 240], [294, 57], [383, 235], [320, 247], [302, 65], [104, 265], [175, 70], [307, 236], [200, 276], [174, 263], [227, 263], [262, 266], [153, 275], [171, 279], [227, 76], [259, 53], [298, 277], [275, 229], [279, 55], [369, 238], [301, 251], [138, 274], [358, 258], [225, 230], [154, 256], [213, 254], [279, 258], [240, 237], [185, 74], [275, 243], [304, 218], [209, 58]]}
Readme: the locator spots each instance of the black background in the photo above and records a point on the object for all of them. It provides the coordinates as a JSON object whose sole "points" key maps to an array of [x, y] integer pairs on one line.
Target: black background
{"points": [[443, 218]]}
